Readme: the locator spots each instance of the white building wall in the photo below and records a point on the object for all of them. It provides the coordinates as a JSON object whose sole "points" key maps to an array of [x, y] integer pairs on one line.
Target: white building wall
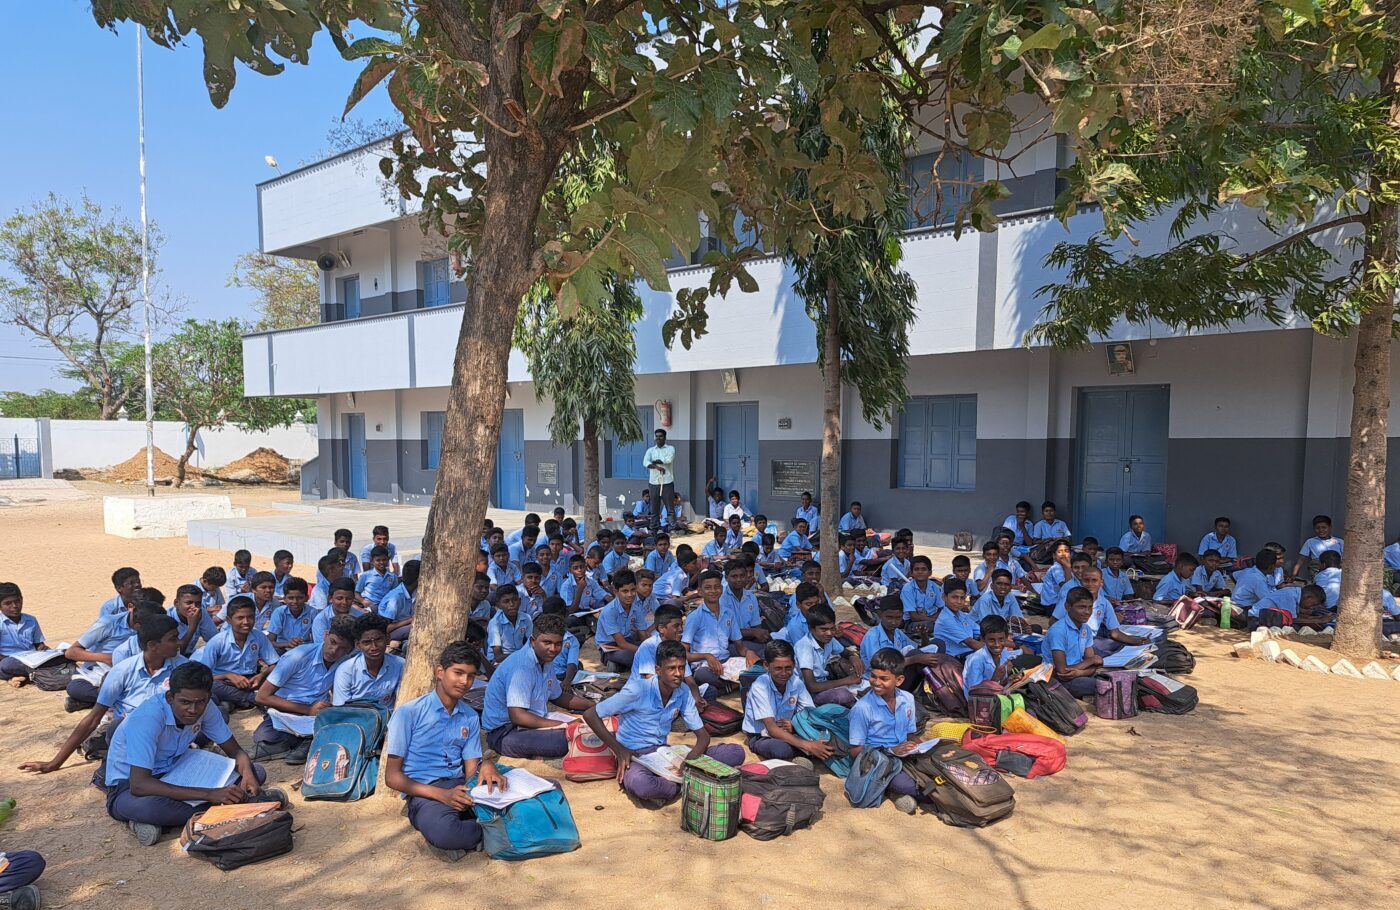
{"points": [[75, 444]]}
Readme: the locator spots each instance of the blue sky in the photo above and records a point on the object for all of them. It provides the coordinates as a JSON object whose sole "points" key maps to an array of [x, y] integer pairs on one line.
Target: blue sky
{"points": [[71, 116]]}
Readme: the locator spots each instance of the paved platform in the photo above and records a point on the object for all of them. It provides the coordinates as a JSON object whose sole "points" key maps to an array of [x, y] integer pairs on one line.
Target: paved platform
{"points": [[37, 489]]}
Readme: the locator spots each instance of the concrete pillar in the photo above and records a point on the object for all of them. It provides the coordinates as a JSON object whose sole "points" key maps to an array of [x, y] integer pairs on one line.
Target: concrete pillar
{"points": [[44, 432]]}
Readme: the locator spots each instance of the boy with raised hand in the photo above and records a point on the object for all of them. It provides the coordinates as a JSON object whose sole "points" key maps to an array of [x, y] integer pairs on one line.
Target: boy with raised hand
{"points": [[993, 660], [645, 709], [291, 623], [519, 695], [153, 738], [433, 747], [371, 674], [769, 708], [1069, 645], [379, 537], [19, 632], [508, 630], [884, 718], [127, 583], [301, 684], [239, 656], [814, 654]]}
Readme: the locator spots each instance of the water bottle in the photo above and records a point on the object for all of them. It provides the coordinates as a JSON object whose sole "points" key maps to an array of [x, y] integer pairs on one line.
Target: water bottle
{"points": [[1225, 612], [7, 806]]}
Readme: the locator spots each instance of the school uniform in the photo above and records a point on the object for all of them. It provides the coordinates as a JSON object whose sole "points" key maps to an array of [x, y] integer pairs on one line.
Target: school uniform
{"points": [[519, 554], [706, 633], [102, 637], [1171, 587], [660, 563], [875, 725], [1050, 530], [1134, 543], [714, 549], [129, 648], [1330, 580], [235, 581], [766, 700], [212, 601], [283, 627], [989, 604], [556, 571], [321, 623], [851, 522], [510, 636], [1050, 585], [1201, 580], [514, 536], [1102, 617], [397, 606], [352, 565], [810, 514], [353, 682], [1392, 555], [770, 559], [641, 507], [502, 575], [877, 639], [593, 598], [644, 725], [844, 564], [615, 619], [979, 666], [112, 606], [811, 656], [1118, 585], [614, 561], [980, 571], [1314, 547], [792, 543], [953, 628], [1227, 548], [521, 681], [1074, 640], [531, 605], [1019, 543], [794, 624], [1251, 586], [715, 509], [928, 599], [279, 586], [673, 583], [644, 661], [895, 572], [16, 637], [435, 742], [206, 631], [743, 605], [372, 585], [130, 683], [568, 654], [301, 676], [320, 597], [1389, 603], [23, 867], [222, 654]]}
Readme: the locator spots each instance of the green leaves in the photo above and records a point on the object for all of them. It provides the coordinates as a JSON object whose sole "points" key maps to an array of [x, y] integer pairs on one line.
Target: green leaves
{"points": [[373, 74], [1046, 38]]}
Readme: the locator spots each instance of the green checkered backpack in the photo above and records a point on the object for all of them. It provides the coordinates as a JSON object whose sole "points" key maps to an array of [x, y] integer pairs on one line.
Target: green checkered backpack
{"points": [[710, 798]]}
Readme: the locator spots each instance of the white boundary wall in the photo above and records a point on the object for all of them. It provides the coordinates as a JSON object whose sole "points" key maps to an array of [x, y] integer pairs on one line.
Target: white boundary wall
{"points": [[102, 443]]}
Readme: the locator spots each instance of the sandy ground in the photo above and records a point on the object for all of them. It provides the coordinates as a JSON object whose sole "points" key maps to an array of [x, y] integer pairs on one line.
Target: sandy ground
{"points": [[1278, 792]]}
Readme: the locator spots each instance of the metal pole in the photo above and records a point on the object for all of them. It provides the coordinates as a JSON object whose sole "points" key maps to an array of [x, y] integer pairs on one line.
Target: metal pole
{"points": [[145, 273]]}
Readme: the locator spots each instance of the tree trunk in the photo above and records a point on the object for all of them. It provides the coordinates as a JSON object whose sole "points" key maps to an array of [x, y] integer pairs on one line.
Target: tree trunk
{"points": [[592, 486], [831, 442], [190, 434]]}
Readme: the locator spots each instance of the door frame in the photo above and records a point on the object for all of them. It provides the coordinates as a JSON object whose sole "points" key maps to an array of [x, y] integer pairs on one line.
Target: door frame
{"points": [[498, 484], [718, 435], [1077, 450]]}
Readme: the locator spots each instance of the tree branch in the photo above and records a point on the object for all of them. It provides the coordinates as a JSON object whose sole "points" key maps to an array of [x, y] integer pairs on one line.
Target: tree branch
{"points": [[1299, 235]]}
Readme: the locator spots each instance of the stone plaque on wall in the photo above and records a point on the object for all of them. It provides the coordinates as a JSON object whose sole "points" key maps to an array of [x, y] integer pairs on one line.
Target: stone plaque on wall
{"points": [[546, 472], [793, 478]]}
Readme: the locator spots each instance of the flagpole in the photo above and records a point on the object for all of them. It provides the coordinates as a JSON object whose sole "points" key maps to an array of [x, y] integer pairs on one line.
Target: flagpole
{"points": [[145, 271]]}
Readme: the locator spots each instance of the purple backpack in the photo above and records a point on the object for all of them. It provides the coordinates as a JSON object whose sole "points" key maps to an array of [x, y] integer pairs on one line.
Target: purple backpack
{"points": [[1116, 698]]}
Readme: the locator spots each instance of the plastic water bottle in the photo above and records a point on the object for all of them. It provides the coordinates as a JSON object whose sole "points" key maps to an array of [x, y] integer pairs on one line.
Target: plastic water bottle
{"points": [[1225, 612], [7, 806]]}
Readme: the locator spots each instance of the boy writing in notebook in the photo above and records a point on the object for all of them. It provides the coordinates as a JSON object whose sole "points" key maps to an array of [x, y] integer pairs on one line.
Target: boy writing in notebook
{"points": [[301, 684], [514, 714]]}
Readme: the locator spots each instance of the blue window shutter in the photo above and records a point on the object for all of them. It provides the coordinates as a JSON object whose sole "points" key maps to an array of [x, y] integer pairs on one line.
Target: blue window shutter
{"points": [[938, 443], [965, 447], [432, 436], [436, 283], [913, 436], [625, 461], [942, 415]]}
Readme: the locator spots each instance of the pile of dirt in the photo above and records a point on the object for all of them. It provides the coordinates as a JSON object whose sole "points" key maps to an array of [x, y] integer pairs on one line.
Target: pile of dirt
{"points": [[262, 465], [133, 470]]}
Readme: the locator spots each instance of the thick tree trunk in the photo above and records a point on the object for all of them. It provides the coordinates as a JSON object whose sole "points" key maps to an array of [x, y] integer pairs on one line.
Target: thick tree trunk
{"points": [[180, 465], [592, 486], [831, 442]]}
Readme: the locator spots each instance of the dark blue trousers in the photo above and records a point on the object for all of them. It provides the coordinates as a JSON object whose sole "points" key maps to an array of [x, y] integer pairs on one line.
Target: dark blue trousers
{"points": [[442, 826]]}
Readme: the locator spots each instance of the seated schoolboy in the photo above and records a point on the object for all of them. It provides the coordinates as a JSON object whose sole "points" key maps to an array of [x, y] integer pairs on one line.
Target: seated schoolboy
{"points": [[615, 557], [642, 507], [739, 598], [1392, 554], [734, 508], [153, 738], [566, 665], [523, 551], [19, 632], [896, 570], [1220, 540], [889, 634], [645, 708], [237, 576], [379, 537], [376, 581], [1208, 577], [1307, 605], [1329, 577], [955, 630], [532, 520], [532, 593], [998, 600], [499, 569], [680, 581], [982, 574], [343, 541], [1102, 619], [1060, 573], [647, 602], [340, 603], [554, 564], [131, 682], [992, 661], [1117, 586], [1069, 645], [291, 623], [1007, 560], [431, 750], [398, 605], [519, 695], [1256, 582], [1178, 581], [509, 629], [1136, 539], [1278, 578], [617, 623], [712, 634], [717, 547], [796, 624], [768, 710], [962, 567], [853, 521], [922, 596], [194, 624], [482, 611], [93, 654], [1049, 527], [768, 554], [884, 718], [1090, 547], [733, 534], [814, 654], [328, 569], [262, 588], [661, 560], [301, 684], [847, 559], [212, 583], [239, 656], [371, 675], [580, 591], [127, 582], [796, 545], [1321, 542], [807, 511], [17, 889], [282, 562]]}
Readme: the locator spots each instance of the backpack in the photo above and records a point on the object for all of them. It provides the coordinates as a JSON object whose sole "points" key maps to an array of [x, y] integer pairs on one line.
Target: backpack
{"points": [[1160, 693], [829, 722], [1053, 706], [1274, 617], [1133, 614], [1186, 612], [1116, 697], [747, 679], [249, 838], [588, 757], [538, 826], [851, 634], [964, 790], [721, 720], [963, 541], [777, 798], [840, 667], [1048, 754], [945, 686], [988, 705], [773, 613], [870, 777], [595, 690], [709, 798], [343, 762], [53, 676], [1174, 658]]}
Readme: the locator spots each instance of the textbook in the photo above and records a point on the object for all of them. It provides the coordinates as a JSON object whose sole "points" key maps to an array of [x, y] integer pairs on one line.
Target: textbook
{"points": [[1125, 655], [665, 762], [298, 724], [201, 770], [734, 668], [520, 784], [36, 659], [585, 676]]}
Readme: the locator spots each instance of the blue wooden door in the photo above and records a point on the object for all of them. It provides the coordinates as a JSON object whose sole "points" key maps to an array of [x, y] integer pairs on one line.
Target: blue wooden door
{"points": [[736, 450], [356, 462], [350, 296], [1122, 461], [510, 461]]}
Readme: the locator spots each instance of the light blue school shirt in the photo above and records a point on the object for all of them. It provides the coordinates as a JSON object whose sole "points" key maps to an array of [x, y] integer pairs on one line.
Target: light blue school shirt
{"points": [[1102, 616], [794, 625], [1392, 555], [1067, 637], [980, 571], [353, 683], [641, 507], [744, 606], [660, 564], [714, 548], [557, 572], [1050, 530], [302, 676], [18, 636], [398, 604], [1251, 586], [506, 635], [876, 639], [352, 565], [875, 725], [129, 648], [207, 628], [643, 719], [365, 551], [372, 585], [929, 599], [568, 654], [593, 595], [1283, 599], [531, 605], [518, 553], [233, 585], [766, 700], [1226, 548], [1120, 586], [320, 597], [1131, 543], [793, 542], [514, 536], [614, 561], [130, 683], [149, 738], [770, 558], [209, 599], [1171, 587], [1330, 580], [812, 656], [432, 740], [509, 575], [989, 605], [851, 522], [706, 633], [321, 623], [113, 606], [1011, 525], [1052, 582], [1207, 582], [520, 681], [978, 668], [221, 654], [284, 626], [895, 572], [615, 620], [673, 582], [953, 628], [811, 515], [102, 637], [279, 586], [1389, 604], [1314, 547]]}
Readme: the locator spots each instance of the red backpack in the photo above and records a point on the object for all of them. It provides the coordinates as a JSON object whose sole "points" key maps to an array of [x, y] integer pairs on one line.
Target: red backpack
{"points": [[721, 720], [851, 633], [588, 757], [1049, 754]]}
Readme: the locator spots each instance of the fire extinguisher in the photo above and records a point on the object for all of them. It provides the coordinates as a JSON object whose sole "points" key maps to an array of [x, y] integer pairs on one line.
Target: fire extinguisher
{"points": [[663, 413]]}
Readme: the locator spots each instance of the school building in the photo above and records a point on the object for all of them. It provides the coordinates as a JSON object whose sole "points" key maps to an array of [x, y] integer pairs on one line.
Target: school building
{"points": [[1251, 423]]}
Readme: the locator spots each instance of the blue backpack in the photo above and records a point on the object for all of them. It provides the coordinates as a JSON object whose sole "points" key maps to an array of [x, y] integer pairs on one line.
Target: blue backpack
{"points": [[343, 762], [870, 776], [531, 827], [831, 722]]}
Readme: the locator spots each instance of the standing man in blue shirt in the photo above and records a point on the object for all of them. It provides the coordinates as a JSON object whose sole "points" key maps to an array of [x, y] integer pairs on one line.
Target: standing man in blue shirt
{"points": [[660, 459]]}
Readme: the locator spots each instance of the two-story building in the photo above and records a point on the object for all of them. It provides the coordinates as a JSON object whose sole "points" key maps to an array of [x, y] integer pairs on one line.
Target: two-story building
{"points": [[1252, 423]]}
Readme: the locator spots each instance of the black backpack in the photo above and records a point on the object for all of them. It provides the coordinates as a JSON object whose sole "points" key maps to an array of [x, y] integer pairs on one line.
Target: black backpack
{"points": [[962, 788], [772, 612], [1174, 658], [1053, 706], [242, 841], [776, 800], [1160, 693]]}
